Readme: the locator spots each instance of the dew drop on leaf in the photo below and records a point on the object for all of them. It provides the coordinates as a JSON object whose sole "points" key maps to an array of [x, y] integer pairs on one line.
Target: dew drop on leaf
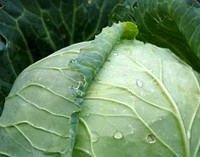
{"points": [[115, 54], [131, 128], [118, 135], [139, 83], [94, 136], [151, 139]]}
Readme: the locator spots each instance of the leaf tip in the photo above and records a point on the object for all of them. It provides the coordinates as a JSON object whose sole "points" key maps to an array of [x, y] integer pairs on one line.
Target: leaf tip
{"points": [[130, 30]]}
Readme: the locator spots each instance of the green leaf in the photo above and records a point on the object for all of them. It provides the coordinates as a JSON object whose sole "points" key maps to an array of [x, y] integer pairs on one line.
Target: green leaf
{"points": [[127, 97], [138, 105], [40, 105], [31, 30], [91, 58], [40, 117], [171, 24]]}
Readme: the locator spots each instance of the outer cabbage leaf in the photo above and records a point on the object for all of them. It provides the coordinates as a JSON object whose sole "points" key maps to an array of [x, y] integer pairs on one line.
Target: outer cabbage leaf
{"points": [[41, 113], [31, 30], [40, 117], [173, 24], [133, 103], [144, 101]]}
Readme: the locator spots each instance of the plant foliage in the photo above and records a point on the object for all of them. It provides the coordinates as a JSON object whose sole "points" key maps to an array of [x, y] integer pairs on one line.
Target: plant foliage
{"points": [[117, 95], [31, 30], [173, 24]]}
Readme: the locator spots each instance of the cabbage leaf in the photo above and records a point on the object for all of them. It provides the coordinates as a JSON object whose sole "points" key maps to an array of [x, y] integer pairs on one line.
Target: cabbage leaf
{"points": [[143, 102], [113, 96], [173, 24], [31, 30], [40, 115], [41, 112]]}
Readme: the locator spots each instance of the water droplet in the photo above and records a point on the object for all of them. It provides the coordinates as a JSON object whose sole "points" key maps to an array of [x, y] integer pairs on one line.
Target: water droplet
{"points": [[118, 135], [131, 127], [115, 54], [139, 83], [151, 139], [94, 136]]}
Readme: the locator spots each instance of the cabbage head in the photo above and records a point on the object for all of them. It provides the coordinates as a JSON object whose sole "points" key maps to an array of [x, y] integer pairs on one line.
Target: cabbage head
{"points": [[114, 96]]}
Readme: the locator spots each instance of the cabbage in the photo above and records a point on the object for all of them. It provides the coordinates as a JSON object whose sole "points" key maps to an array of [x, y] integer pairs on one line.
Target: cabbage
{"points": [[113, 96]]}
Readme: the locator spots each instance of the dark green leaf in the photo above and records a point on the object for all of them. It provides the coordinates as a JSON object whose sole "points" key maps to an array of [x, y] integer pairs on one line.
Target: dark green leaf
{"points": [[30, 30], [174, 24]]}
